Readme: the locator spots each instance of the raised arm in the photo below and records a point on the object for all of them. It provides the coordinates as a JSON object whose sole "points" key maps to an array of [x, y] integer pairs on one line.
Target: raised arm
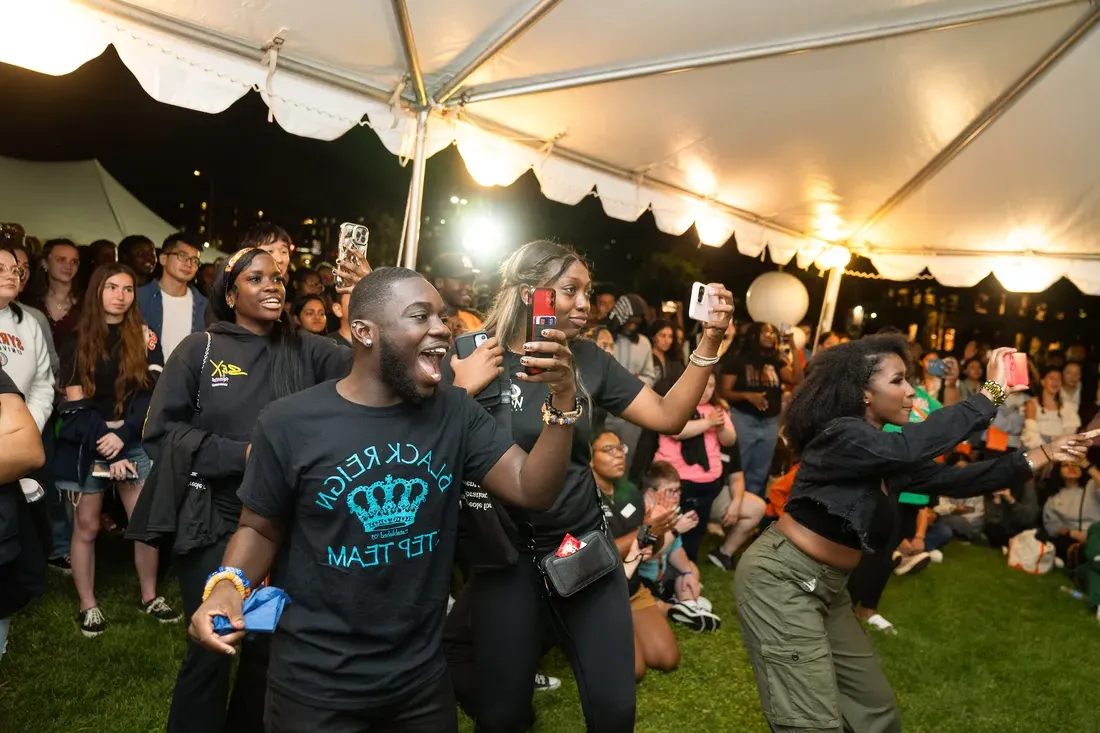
{"points": [[531, 480], [669, 414]]}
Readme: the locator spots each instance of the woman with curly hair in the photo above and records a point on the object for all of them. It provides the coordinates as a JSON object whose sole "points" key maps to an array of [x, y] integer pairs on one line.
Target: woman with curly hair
{"points": [[814, 666]]}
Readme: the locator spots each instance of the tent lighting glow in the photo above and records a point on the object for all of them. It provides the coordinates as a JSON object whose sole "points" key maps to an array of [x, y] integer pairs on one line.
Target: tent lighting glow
{"points": [[833, 257], [482, 236], [48, 36]]}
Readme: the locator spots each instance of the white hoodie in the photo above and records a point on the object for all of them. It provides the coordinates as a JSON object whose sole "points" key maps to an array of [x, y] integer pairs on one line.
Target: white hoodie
{"points": [[25, 357]]}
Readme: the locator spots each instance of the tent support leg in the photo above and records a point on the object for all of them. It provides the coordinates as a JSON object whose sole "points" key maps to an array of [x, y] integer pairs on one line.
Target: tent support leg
{"points": [[416, 192], [828, 308]]}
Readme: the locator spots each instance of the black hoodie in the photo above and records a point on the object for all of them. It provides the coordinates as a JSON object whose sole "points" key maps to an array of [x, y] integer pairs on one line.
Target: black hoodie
{"points": [[235, 386]]}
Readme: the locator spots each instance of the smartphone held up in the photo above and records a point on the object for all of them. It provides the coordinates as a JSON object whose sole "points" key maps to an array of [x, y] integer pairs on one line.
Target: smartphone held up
{"points": [[353, 238], [543, 315], [701, 303]]}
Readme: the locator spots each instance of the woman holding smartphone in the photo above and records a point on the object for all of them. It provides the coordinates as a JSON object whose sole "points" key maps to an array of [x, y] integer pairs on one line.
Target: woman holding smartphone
{"points": [[213, 388], [511, 603], [814, 665], [107, 374]]}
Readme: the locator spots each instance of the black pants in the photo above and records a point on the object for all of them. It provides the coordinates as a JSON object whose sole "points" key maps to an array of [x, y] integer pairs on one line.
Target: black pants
{"points": [[594, 629], [699, 497], [202, 685], [868, 581], [430, 709]]}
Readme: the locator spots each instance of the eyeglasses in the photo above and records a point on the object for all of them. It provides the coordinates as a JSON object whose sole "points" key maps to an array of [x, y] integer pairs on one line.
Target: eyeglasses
{"points": [[613, 449], [185, 259], [17, 272]]}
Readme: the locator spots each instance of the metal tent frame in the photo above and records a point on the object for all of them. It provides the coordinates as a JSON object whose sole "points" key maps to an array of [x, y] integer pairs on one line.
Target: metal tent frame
{"points": [[452, 94]]}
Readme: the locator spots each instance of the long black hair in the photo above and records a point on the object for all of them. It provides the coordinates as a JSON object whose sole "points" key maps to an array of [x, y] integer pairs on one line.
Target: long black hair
{"points": [[285, 345], [835, 383]]}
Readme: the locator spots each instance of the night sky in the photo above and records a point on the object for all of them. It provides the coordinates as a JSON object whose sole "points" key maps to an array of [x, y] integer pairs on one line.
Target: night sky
{"points": [[100, 111]]}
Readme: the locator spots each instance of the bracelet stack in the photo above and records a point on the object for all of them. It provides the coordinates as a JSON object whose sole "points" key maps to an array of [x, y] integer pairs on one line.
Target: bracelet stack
{"points": [[233, 575], [553, 416], [702, 361], [997, 391]]}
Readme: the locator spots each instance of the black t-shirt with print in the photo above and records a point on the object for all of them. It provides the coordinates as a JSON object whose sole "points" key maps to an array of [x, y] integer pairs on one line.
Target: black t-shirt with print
{"points": [[756, 373], [106, 370], [370, 501], [607, 385]]}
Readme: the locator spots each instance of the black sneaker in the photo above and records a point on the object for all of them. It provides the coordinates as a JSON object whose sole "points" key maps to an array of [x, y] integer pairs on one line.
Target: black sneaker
{"points": [[722, 560], [92, 623], [694, 617], [161, 611], [61, 564]]}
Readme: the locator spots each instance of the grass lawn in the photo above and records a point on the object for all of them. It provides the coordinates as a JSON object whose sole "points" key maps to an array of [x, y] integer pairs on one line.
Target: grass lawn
{"points": [[980, 648]]}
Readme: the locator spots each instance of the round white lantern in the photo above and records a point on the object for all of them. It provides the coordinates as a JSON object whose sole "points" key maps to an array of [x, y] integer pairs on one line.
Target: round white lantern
{"points": [[777, 298]]}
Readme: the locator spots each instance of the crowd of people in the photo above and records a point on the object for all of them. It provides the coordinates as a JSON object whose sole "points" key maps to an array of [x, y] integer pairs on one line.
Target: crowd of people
{"points": [[258, 421]]}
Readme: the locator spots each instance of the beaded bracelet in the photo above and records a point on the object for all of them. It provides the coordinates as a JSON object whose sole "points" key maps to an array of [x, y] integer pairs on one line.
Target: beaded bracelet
{"points": [[233, 575], [553, 416]]}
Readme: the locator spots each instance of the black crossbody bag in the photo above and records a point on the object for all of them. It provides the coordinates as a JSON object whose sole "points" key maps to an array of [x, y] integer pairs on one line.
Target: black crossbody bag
{"points": [[598, 556]]}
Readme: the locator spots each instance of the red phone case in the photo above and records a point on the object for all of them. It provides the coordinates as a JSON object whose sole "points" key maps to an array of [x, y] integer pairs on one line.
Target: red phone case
{"points": [[1016, 370], [543, 316]]}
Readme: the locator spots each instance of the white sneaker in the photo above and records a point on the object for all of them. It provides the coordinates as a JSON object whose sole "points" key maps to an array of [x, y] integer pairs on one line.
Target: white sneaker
{"points": [[880, 623], [1059, 563], [450, 603], [913, 564], [935, 556], [702, 604], [546, 683]]}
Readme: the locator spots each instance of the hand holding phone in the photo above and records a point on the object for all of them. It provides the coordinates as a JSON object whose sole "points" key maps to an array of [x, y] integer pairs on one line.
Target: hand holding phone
{"points": [[700, 303], [353, 247], [1016, 370], [477, 363], [543, 316]]}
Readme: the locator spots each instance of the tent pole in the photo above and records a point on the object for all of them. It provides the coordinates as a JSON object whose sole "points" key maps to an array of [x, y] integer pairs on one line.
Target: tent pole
{"points": [[498, 44], [408, 45], [986, 117], [416, 192], [573, 80], [828, 306]]}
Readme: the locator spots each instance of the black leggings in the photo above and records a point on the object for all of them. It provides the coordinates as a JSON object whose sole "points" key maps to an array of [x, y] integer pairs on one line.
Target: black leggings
{"points": [[202, 685], [698, 496], [594, 629]]}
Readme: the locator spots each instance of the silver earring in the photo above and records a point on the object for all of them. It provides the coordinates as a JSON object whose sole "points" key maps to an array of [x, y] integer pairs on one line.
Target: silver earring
{"points": [[368, 342]]}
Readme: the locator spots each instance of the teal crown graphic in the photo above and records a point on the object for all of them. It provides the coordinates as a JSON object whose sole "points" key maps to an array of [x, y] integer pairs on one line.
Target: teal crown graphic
{"points": [[389, 503]]}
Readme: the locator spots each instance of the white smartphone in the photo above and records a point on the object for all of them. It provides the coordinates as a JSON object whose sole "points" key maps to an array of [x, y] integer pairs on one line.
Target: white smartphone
{"points": [[352, 237], [700, 303]]}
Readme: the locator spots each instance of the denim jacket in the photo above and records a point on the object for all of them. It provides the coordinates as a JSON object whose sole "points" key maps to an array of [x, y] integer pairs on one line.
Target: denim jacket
{"points": [[843, 468]]}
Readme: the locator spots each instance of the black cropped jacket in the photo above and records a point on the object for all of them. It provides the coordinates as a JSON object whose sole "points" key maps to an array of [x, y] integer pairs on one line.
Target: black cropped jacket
{"points": [[843, 469]]}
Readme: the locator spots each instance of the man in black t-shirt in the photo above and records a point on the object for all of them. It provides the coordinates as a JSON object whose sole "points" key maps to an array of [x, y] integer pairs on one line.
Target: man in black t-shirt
{"points": [[353, 485]]}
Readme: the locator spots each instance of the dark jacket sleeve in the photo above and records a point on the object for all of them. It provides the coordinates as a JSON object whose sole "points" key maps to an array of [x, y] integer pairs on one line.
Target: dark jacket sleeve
{"points": [[330, 360], [975, 479], [173, 404], [852, 448]]}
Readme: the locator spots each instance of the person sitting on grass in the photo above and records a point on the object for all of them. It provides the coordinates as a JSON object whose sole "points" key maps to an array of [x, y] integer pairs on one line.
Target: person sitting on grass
{"points": [[670, 575], [639, 531], [1068, 514], [964, 517]]}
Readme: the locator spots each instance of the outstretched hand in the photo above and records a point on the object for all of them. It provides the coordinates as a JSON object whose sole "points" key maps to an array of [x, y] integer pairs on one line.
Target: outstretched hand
{"points": [[350, 270], [720, 314]]}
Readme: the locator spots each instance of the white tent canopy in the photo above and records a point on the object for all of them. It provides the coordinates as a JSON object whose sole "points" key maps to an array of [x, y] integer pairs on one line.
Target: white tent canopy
{"points": [[77, 200], [948, 134]]}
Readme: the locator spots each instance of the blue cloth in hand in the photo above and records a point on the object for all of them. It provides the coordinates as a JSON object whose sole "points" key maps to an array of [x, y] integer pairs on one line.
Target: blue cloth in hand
{"points": [[261, 612]]}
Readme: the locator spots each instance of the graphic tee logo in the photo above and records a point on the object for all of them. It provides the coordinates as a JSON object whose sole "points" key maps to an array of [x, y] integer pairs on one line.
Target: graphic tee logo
{"points": [[9, 344], [222, 371], [517, 398], [386, 507], [388, 504]]}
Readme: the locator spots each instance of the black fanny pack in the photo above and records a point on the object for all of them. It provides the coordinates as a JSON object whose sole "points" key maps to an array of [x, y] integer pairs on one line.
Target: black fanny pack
{"points": [[568, 575]]}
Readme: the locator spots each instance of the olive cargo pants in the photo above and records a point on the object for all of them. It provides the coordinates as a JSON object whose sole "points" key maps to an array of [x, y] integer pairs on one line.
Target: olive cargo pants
{"points": [[814, 666]]}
